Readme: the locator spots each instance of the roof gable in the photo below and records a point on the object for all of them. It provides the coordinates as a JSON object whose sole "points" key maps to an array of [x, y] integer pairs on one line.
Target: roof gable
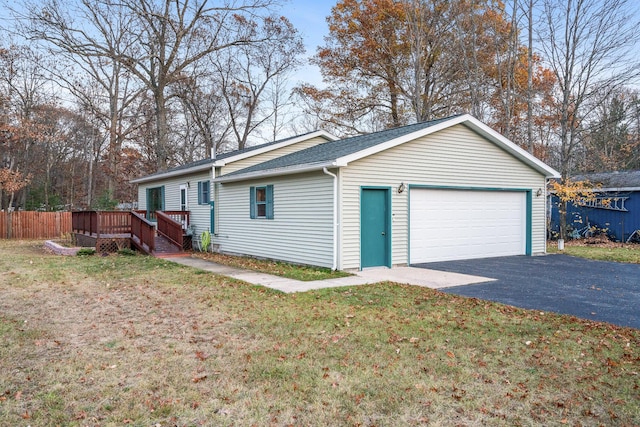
{"points": [[341, 152]]}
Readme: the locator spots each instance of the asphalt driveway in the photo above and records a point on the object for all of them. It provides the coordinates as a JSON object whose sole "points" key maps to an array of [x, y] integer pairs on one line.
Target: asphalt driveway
{"points": [[595, 290]]}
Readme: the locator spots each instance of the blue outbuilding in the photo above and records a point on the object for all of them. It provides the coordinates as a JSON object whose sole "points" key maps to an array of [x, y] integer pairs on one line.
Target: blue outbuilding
{"points": [[616, 207]]}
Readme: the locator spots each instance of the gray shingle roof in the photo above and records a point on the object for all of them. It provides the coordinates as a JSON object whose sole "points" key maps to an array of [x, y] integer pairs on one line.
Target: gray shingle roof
{"points": [[333, 150], [222, 156], [622, 179]]}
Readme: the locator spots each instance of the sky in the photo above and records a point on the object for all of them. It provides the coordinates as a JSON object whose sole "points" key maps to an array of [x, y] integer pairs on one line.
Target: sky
{"points": [[309, 17]]}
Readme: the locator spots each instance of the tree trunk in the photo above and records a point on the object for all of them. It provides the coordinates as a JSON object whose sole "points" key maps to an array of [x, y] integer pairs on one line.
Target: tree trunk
{"points": [[562, 210], [162, 143], [10, 218], [113, 139], [530, 81]]}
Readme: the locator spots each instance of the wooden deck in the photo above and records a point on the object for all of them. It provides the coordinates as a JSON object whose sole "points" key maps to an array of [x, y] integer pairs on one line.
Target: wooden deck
{"points": [[110, 231]]}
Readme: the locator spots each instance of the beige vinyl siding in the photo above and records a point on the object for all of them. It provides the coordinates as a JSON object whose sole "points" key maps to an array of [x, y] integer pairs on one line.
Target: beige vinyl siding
{"points": [[260, 158], [200, 214], [454, 157], [142, 196], [302, 228]]}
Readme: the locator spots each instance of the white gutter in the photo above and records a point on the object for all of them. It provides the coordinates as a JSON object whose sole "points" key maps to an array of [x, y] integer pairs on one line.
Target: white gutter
{"points": [[289, 170], [335, 217], [164, 175], [214, 193]]}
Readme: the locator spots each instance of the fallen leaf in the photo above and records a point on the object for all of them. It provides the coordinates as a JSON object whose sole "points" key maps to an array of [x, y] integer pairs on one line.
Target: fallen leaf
{"points": [[199, 378], [612, 363], [450, 354]]}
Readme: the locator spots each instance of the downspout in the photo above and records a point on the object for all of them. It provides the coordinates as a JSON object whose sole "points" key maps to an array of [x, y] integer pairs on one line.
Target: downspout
{"points": [[335, 217], [214, 193]]}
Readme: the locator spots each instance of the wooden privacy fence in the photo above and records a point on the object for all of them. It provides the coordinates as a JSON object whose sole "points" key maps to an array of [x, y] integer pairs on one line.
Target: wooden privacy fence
{"points": [[34, 225]]}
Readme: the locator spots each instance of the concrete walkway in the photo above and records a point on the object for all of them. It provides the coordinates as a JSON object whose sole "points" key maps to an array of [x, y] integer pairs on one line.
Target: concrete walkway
{"points": [[414, 276]]}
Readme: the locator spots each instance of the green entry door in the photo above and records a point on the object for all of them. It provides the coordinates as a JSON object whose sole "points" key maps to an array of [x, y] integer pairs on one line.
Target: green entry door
{"points": [[375, 233]]}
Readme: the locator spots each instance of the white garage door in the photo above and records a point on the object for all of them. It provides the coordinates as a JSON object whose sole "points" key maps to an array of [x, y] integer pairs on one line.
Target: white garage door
{"points": [[459, 224]]}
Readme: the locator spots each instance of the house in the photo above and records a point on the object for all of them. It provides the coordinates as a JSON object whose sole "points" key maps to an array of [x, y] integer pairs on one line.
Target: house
{"points": [[615, 208], [441, 190], [188, 187]]}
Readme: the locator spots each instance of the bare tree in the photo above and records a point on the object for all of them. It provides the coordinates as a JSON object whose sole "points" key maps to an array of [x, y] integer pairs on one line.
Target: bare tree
{"points": [[24, 86], [529, 14], [164, 39], [87, 65], [203, 108], [589, 45], [249, 75]]}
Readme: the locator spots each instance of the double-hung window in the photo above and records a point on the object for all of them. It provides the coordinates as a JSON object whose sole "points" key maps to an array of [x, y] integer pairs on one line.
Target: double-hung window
{"points": [[261, 202], [204, 195]]}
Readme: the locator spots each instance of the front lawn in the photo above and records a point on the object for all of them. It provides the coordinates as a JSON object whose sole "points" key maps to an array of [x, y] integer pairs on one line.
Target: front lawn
{"points": [[292, 271], [617, 252], [123, 340]]}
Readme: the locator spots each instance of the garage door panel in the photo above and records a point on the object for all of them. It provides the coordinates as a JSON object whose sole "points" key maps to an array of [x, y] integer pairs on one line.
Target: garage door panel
{"points": [[457, 224]]}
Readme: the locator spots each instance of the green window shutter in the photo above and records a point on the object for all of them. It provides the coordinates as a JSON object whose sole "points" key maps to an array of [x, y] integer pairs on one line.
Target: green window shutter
{"points": [[199, 192], [252, 202], [269, 201]]}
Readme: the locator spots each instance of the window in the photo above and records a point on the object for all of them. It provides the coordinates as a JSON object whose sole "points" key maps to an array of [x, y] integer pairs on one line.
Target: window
{"points": [[184, 200], [203, 193], [261, 202]]}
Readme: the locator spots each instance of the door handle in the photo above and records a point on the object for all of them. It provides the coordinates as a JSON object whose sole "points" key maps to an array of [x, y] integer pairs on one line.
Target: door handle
{"points": [[383, 233]]}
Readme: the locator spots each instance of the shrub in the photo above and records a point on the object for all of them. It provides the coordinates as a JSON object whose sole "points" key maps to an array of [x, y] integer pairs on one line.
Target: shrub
{"points": [[86, 252]]}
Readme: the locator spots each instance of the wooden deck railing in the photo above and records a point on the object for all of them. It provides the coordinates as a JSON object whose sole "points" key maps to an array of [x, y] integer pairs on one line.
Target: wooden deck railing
{"points": [[181, 217], [143, 232], [100, 223], [170, 225], [114, 222], [85, 222]]}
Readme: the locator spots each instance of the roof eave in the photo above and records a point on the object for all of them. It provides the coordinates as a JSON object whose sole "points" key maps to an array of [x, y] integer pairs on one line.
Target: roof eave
{"points": [[171, 174], [616, 189], [286, 143], [291, 170]]}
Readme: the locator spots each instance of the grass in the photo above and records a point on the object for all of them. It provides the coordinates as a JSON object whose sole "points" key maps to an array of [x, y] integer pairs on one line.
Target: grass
{"points": [[292, 271], [628, 253], [138, 341]]}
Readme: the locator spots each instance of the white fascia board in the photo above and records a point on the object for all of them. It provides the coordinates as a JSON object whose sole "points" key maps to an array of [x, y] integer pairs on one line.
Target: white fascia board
{"points": [[171, 174], [276, 172], [398, 141], [473, 124], [291, 141]]}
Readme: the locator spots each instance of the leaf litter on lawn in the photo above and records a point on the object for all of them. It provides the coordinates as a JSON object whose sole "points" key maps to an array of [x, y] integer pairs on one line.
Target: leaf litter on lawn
{"points": [[133, 340]]}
